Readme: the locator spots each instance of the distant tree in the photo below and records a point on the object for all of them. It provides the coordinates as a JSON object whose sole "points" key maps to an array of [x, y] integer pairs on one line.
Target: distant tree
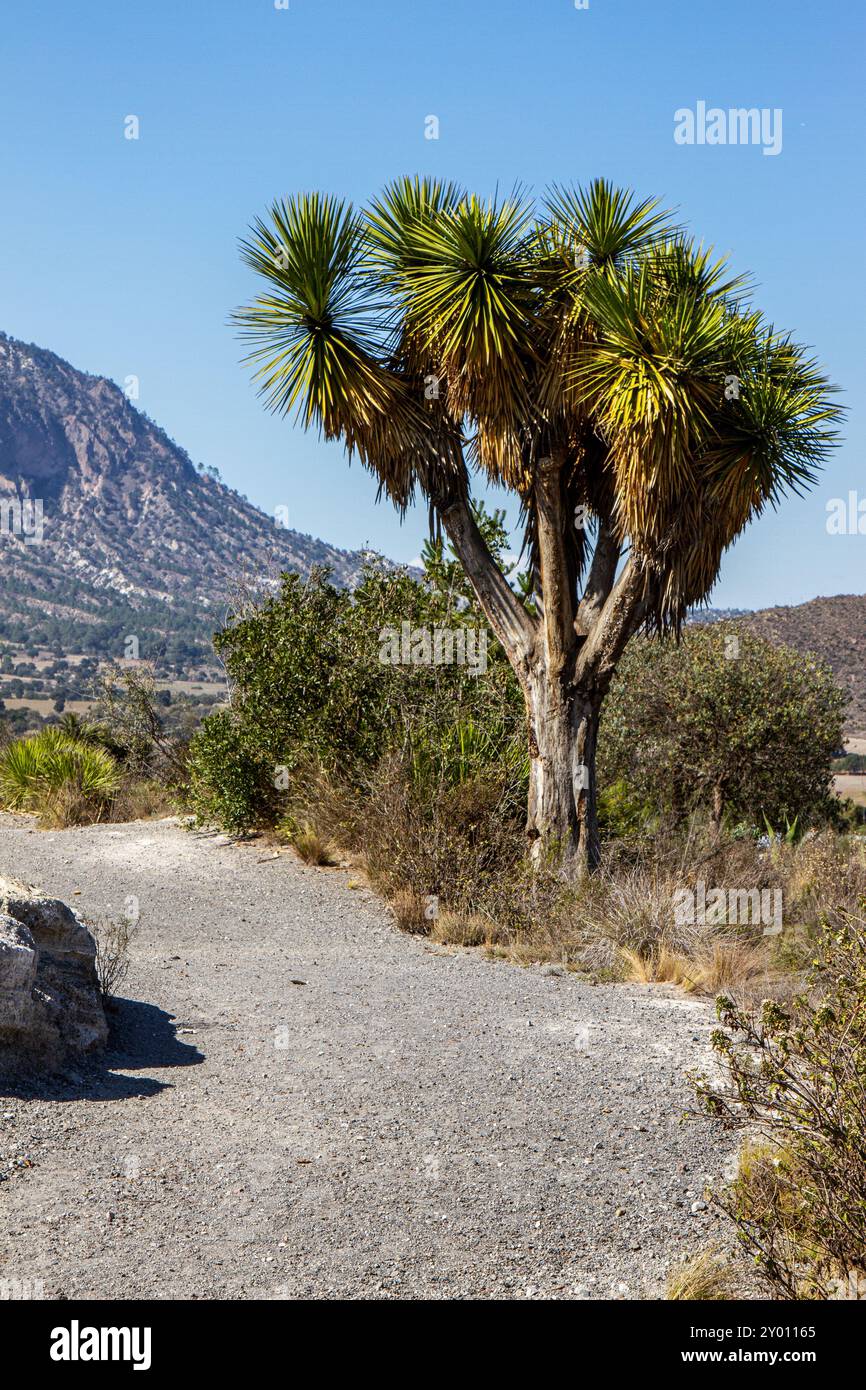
{"points": [[727, 722]]}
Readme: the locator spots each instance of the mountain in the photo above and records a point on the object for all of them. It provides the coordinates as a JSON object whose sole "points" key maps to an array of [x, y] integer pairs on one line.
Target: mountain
{"points": [[134, 538], [716, 615], [835, 630]]}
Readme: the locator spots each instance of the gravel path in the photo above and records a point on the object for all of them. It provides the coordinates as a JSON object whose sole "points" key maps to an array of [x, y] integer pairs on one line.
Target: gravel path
{"points": [[301, 1101]]}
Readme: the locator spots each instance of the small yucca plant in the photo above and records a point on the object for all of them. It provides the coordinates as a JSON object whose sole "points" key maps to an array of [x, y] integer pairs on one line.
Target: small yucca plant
{"points": [[63, 779]]}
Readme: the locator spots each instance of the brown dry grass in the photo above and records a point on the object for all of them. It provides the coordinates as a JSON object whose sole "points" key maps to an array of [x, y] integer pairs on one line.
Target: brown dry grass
{"points": [[141, 799], [462, 846], [311, 847], [708, 1276], [717, 966], [409, 912]]}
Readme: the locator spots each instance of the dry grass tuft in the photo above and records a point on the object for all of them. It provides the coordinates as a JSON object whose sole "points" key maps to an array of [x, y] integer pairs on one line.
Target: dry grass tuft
{"points": [[307, 839], [141, 799], [660, 966], [729, 966], [463, 929], [732, 967], [311, 847], [410, 912], [708, 1276]]}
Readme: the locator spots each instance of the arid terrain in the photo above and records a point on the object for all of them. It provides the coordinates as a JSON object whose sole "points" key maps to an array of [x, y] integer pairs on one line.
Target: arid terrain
{"points": [[299, 1100]]}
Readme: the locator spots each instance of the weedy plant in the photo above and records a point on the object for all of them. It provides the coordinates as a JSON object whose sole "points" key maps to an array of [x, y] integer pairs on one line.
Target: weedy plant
{"points": [[113, 937], [795, 1076]]}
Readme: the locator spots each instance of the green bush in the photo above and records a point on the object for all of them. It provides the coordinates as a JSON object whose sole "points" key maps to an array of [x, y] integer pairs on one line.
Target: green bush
{"points": [[228, 784], [310, 688], [621, 813], [726, 723]]}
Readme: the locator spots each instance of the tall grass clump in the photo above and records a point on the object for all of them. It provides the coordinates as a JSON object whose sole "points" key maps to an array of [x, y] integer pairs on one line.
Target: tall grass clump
{"points": [[63, 780]]}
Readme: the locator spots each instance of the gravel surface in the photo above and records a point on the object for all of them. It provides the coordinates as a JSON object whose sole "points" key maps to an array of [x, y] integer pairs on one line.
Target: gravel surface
{"points": [[301, 1101]]}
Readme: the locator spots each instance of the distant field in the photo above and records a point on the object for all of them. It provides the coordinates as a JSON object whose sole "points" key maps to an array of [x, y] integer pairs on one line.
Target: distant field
{"points": [[193, 687], [44, 707], [852, 786]]}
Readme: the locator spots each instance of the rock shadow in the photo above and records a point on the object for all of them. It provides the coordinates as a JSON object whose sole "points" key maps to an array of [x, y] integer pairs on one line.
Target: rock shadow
{"points": [[140, 1036]]}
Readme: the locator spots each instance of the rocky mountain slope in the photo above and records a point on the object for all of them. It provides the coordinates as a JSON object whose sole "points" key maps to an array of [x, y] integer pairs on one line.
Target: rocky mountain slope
{"points": [[835, 630], [121, 531]]}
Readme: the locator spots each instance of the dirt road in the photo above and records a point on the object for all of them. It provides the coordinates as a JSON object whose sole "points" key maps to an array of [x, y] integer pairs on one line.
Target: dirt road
{"points": [[302, 1101]]}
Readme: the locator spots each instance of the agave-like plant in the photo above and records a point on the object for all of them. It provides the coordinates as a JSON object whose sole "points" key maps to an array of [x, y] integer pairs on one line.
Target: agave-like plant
{"points": [[582, 352], [48, 771]]}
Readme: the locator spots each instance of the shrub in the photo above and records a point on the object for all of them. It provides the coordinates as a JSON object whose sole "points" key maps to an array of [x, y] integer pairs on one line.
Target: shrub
{"points": [[309, 688], [452, 841], [227, 782], [796, 1077], [67, 782], [724, 722]]}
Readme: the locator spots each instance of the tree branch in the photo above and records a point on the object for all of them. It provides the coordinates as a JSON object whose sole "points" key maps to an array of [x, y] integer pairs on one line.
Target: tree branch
{"points": [[600, 581], [613, 627], [514, 627], [556, 590]]}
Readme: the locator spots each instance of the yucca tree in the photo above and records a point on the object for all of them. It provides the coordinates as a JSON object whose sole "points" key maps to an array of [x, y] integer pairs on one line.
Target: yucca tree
{"points": [[582, 352]]}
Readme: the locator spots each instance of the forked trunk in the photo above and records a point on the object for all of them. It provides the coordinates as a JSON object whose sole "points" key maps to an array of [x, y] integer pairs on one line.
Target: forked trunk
{"points": [[564, 660], [562, 822]]}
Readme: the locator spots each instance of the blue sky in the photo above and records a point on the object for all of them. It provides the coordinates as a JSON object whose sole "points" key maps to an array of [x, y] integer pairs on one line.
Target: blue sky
{"points": [[121, 255]]}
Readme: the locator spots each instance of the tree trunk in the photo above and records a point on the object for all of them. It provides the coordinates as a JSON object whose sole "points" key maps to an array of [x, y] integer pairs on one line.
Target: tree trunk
{"points": [[564, 662], [562, 821]]}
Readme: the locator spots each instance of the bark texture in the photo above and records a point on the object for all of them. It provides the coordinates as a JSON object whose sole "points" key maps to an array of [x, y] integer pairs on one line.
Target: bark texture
{"points": [[564, 661]]}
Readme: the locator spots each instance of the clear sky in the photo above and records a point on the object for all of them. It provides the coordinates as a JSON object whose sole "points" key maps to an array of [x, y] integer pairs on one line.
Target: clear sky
{"points": [[121, 255]]}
